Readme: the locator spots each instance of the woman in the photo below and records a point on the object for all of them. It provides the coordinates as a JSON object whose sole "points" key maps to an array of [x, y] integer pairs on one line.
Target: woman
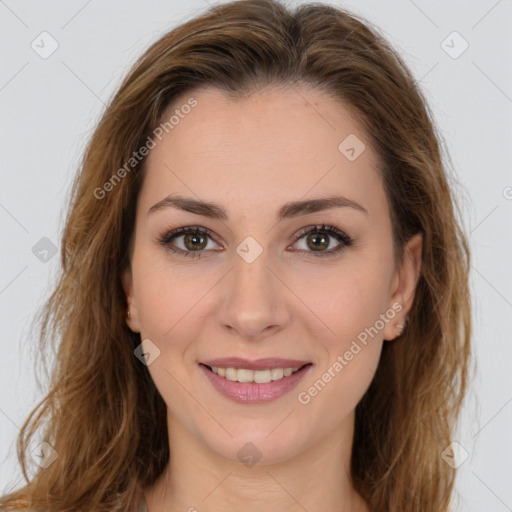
{"points": [[264, 290]]}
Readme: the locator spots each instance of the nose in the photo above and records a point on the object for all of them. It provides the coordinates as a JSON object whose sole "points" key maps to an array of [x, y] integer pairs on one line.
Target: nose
{"points": [[254, 301]]}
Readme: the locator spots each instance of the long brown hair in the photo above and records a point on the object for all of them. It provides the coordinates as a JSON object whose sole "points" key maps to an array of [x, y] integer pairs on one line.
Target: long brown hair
{"points": [[102, 414]]}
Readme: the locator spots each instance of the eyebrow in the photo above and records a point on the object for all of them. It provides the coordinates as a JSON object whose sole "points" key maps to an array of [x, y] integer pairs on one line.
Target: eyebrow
{"points": [[287, 211]]}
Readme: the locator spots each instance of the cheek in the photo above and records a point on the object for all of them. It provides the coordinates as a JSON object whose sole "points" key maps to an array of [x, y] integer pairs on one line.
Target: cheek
{"points": [[348, 299], [167, 297], [354, 306], [337, 388], [169, 303], [353, 354]]}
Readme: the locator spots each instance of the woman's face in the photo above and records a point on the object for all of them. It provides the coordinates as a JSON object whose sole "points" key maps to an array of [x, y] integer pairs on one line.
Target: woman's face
{"points": [[254, 282]]}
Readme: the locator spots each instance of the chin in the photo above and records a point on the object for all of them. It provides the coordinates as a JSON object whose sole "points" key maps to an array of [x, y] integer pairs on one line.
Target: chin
{"points": [[260, 448]]}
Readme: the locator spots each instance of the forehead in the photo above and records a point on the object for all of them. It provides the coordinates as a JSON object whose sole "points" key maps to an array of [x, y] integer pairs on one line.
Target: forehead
{"points": [[277, 143]]}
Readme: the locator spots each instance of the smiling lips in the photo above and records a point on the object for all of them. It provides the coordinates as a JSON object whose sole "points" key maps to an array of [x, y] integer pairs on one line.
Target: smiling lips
{"points": [[258, 376], [254, 381]]}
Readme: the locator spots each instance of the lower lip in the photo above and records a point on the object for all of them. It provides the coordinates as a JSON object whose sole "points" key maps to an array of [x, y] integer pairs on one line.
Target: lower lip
{"points": [[252, 392]]}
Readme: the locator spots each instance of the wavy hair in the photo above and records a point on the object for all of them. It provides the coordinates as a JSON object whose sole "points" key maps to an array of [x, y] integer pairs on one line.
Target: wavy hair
{"points": [[102, 413]]}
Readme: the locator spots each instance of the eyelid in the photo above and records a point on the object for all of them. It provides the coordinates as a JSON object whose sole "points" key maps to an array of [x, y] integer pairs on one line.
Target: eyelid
{"points": [[170, 234], [332, 231], [323, 228]]}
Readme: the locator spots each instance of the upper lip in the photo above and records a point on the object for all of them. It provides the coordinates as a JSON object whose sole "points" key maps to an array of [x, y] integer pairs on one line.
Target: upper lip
{"points": [[258, 364]]}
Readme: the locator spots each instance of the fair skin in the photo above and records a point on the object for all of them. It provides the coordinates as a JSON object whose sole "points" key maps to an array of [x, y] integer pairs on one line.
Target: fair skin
{"points": [[251, 157]]}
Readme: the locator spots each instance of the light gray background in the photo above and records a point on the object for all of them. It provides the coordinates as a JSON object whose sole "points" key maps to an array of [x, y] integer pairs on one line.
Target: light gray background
{"points": [[49, 107]]}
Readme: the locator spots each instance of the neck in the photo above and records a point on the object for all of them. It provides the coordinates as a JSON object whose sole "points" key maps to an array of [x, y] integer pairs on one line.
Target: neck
{"points": [[197, 479]]}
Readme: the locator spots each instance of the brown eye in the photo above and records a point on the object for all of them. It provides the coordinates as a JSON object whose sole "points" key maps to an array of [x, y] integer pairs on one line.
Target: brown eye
{"points": [[195, 241], [187, 241], [317, 241], [318, 238]]}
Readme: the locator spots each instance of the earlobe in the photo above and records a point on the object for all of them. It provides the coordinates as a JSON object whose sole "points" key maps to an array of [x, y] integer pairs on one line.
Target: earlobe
{"points": [[131, 313], [404, 287]]}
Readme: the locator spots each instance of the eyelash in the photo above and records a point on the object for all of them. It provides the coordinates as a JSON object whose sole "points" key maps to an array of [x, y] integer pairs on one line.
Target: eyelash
{"points": [[343, 238]]}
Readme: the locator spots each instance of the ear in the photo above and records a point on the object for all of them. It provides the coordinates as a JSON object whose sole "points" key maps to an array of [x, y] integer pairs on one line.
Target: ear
{"points": [[404, 286], [127, 281]]}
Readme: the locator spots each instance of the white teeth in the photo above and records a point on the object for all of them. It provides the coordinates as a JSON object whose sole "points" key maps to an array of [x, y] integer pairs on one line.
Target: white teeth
{"points": [[245, 375], [231, 374], [262, 376], [276, 373], [258, 376]]}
